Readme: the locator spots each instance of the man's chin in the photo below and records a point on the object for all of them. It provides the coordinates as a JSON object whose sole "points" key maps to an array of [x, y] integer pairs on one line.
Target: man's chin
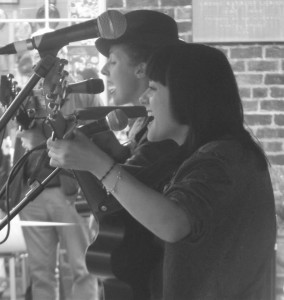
{"points": [[117, 101]]}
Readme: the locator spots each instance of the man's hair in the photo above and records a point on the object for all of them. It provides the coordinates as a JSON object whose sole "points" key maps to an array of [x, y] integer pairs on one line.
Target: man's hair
{"points": [[138, 52]]}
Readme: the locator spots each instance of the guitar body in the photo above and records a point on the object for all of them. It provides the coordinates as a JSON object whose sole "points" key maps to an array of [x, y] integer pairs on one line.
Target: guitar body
{"points": [[99, 253], [99, 258], [125, 252], [123, 256]]}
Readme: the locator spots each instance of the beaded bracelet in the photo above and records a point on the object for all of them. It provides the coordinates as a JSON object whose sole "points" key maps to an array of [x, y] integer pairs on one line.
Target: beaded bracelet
{"points": [[107, 172], [118, 178]]}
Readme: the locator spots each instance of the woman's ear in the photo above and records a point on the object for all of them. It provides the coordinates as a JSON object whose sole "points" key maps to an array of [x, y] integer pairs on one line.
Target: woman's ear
{"points": [[140, 70]]}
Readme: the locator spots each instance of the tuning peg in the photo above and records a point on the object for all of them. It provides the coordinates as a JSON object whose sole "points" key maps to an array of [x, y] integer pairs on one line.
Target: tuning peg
{"points": [[10, 76], [64, 61]]}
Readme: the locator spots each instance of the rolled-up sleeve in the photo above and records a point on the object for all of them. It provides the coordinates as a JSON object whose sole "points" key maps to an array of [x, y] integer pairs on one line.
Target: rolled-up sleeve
{"points": [[201, 187]]}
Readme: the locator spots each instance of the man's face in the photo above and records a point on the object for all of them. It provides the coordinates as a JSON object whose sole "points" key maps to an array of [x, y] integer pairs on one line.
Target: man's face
{"points": [[123, 83]]}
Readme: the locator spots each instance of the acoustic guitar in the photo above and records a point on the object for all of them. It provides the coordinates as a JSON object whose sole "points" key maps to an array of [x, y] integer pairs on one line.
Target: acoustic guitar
{"points": [[124, 253]]}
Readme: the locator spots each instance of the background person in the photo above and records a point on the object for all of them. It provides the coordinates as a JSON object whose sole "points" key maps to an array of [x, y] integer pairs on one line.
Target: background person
{"points": [[55, 204]]}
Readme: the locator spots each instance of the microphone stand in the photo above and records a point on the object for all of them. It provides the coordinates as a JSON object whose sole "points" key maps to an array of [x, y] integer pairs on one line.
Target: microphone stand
{"points": [[41, 70]]}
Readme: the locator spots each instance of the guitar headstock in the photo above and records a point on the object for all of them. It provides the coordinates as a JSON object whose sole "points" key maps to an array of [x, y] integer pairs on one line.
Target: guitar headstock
{"points": [[55, 85], [46, 100], [44, 103], [55, 91]]}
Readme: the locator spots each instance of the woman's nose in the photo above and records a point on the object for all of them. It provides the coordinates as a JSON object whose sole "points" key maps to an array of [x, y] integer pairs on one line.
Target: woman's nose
{"points": [[144, 99]]}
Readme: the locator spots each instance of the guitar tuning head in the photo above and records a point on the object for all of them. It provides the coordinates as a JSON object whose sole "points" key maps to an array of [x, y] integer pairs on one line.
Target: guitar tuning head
{"points": [[64, 61], [10, 76], [53, 106], [62, 64], [64, 74], [31, 112]]}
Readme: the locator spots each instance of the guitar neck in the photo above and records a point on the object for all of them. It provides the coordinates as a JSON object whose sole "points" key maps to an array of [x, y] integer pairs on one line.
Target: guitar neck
{"points": [[91, 189], [97, 198]]}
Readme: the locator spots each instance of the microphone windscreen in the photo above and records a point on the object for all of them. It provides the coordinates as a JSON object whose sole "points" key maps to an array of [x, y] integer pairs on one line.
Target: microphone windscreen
{"points": [[117, 120], [111, 24], [89, 86]]}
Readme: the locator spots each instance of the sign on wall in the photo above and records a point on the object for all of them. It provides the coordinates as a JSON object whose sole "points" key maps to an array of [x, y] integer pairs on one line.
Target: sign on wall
{"points": [[238, 20]]}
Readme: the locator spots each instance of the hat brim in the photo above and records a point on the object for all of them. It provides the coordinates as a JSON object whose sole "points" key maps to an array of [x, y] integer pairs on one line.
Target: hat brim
{"points": [[103, 46]]}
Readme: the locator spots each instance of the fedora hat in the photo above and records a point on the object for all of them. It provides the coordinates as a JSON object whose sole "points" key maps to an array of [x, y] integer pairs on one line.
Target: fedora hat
{"points": [[144, 27]]}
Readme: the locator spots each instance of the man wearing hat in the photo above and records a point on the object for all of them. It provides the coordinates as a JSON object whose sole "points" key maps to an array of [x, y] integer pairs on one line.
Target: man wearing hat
{"points": [[127, 55], [139, 258]]}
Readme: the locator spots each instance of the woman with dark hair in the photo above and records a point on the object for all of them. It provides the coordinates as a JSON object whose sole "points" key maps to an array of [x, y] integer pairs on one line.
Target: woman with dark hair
{"points": [[216, 216], [219, 111]]}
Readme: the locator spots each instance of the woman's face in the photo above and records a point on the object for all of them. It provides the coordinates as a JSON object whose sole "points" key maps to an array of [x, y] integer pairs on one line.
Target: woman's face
{"points": [[156, 99], [123, 79]]}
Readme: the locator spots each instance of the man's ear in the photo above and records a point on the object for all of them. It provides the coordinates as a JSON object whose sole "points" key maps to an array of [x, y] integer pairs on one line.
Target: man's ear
{"points": [[140, 70]]}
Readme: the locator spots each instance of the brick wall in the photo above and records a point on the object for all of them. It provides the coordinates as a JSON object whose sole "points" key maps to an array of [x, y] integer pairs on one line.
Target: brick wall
{"points": [[259, 72]]}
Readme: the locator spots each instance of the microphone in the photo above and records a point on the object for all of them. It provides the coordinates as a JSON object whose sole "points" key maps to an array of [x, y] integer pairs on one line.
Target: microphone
{"points": [[89, 86], [95, 113], [62, 127], [116, 120], [110, 25]]}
